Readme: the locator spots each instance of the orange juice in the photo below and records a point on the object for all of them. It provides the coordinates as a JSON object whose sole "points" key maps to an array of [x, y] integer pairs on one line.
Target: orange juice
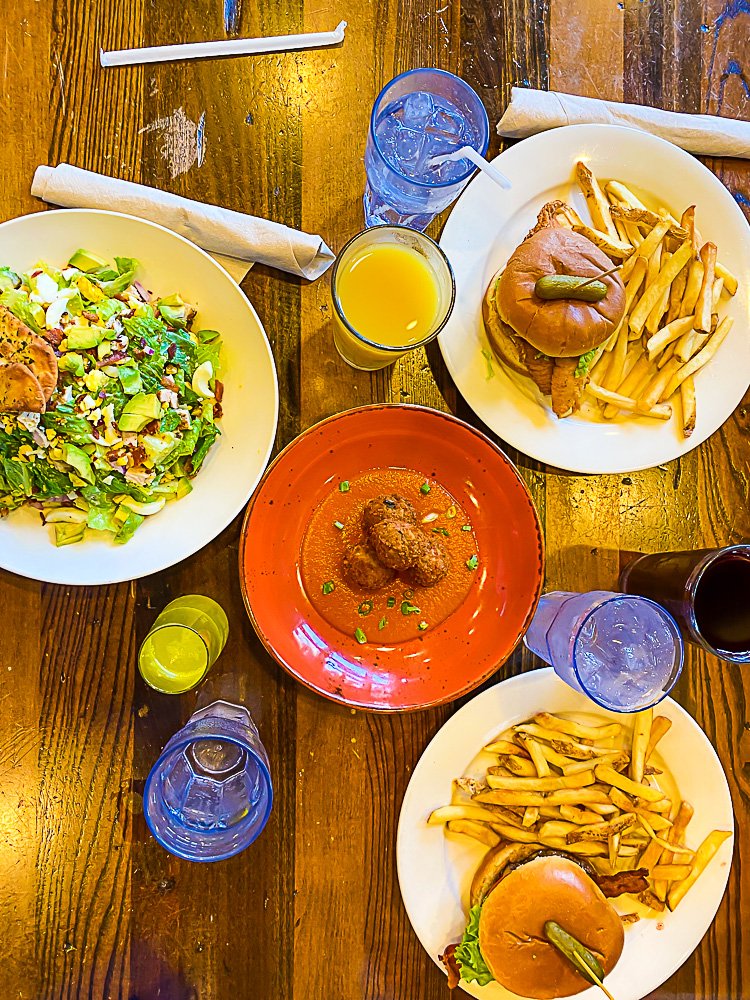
{"points": [[389, 295]]}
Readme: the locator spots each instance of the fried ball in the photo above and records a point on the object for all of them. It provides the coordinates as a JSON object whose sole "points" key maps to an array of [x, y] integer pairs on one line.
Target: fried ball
{"points": [[362, 567], [432, 564], [397, 543], [389, 507]]}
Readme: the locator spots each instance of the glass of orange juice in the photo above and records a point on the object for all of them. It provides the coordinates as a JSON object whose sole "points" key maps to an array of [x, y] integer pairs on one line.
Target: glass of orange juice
{"points": [[393, 290]]}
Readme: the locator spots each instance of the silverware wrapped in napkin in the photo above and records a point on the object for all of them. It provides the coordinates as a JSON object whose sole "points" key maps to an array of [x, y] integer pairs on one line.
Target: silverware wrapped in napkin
{"points": [[532, 111], [236, 240]]}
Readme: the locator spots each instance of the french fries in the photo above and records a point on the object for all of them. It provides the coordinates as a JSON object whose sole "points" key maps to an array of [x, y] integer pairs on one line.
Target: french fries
{"points": [[660, 411], [703, 855], [641, 733], [478, 831], [673, 286], [704, 305], [595, 790], [581, 732], [687, 399], [541, 784], [595, 199], [701, 358], [659, 728], [661, 283]]}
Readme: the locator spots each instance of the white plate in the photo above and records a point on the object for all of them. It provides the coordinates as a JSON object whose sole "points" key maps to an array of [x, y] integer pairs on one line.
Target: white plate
{"points": [[487, 224], [168, 263], [435, 870]]}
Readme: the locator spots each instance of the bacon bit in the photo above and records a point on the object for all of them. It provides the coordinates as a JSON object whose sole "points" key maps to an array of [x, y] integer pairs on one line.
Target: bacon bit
{"points": [[90, 316], [54, 336], [629, 918], [138, 454], [121, 297], [629, 881], [35, 274], [218, 411], [168, 382], [448, 958], [171, 351], [152, 428], [218, 390]]}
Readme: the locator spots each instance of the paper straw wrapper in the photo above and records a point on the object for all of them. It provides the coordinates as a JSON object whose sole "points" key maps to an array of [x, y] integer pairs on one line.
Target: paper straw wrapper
{"points": [[224, 47]]}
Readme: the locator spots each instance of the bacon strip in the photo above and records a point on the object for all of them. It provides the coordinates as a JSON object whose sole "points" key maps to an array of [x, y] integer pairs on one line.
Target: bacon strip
{"points": [[448, 958], [630, 881]]}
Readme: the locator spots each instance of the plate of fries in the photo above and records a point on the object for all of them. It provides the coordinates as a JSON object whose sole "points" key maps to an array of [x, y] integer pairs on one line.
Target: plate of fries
{"points": [[532, 762], [678, 364]]}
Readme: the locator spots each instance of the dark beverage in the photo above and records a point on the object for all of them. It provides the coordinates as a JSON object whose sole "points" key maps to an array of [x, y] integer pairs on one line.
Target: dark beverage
{"points": [[722, 603], [707, 591]]}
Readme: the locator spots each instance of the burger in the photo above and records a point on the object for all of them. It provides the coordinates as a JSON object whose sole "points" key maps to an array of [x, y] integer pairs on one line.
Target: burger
{"points": [[552, 341], [517, 892]]}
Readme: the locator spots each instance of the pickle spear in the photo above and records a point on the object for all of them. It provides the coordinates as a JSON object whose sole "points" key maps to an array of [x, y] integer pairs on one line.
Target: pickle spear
{"points": [[570, 286], [577, 954]]}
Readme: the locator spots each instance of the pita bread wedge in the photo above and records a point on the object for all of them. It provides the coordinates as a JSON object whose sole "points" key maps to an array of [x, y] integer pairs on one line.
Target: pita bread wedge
{"points": [[19, 343], [20, 391]]}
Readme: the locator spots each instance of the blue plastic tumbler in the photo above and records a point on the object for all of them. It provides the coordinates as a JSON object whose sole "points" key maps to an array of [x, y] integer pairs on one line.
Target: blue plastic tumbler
{"points": [[209, 794]]}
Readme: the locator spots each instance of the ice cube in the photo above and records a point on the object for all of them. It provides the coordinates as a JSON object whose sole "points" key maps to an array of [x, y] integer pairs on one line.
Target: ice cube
{"points": [[451, 123], [417, 109]]}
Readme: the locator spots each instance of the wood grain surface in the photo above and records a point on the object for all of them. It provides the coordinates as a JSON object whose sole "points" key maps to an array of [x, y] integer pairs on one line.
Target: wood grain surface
{"points": [[90, 906]]}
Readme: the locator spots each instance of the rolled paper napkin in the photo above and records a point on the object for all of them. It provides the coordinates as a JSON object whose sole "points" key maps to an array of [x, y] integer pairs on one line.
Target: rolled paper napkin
{"points": [[532, 111], [236, 240]]}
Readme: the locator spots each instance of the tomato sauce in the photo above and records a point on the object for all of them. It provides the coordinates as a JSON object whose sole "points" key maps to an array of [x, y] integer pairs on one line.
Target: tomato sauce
{"points": [[399, 611]]}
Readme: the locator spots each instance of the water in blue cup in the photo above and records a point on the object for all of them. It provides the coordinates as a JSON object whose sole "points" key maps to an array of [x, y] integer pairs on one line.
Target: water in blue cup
{"points": [[209, 794], [416, 119], [624, 652]]}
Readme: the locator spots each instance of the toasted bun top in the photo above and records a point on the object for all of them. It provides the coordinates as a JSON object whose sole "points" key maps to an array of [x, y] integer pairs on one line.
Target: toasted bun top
{"points": [[560, 328], [511, 927]]}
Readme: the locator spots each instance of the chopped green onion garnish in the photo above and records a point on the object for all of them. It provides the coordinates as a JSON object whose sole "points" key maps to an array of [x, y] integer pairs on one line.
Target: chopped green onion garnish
{"points": [[339, 525], [422, 626], [472, 563], [465, 527], [365, 608], [409, 609], [383, 622], [328, 587], [451, 512], [391, 602], [344, 486], [408, 594], [360, 636], [424, 488], [441, 531]]}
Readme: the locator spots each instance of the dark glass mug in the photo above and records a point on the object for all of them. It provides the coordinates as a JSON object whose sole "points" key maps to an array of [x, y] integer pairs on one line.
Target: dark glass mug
{"points": [[707, 591]]}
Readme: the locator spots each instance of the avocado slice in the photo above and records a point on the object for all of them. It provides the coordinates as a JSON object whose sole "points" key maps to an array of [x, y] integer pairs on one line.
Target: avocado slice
{"points": [[71, 363], [86, 261], [79, 460], [81, 338], [139, 411], [69, 534]]}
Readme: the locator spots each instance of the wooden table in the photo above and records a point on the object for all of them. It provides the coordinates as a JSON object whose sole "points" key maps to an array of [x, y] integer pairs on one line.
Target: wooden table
{"points": [[90, 905]]}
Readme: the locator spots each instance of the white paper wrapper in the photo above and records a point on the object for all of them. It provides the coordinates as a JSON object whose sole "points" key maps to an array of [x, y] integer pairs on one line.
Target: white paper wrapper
{"points": [[532, 111], [236, 240]]}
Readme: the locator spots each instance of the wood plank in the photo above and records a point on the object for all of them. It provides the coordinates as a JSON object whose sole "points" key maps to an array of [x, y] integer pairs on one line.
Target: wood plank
{"points": [[586, 48]]}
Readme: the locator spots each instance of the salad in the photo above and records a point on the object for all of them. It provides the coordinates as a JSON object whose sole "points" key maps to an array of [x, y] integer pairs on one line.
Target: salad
{"points": [[133, 413]]}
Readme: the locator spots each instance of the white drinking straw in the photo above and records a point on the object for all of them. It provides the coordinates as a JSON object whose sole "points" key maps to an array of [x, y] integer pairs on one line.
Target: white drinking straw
{"points": [[225, 47], [469, 153]]}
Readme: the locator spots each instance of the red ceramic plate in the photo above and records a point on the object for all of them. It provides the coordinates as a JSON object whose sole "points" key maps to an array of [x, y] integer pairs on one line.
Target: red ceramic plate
{"points": [[444, 662]]}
